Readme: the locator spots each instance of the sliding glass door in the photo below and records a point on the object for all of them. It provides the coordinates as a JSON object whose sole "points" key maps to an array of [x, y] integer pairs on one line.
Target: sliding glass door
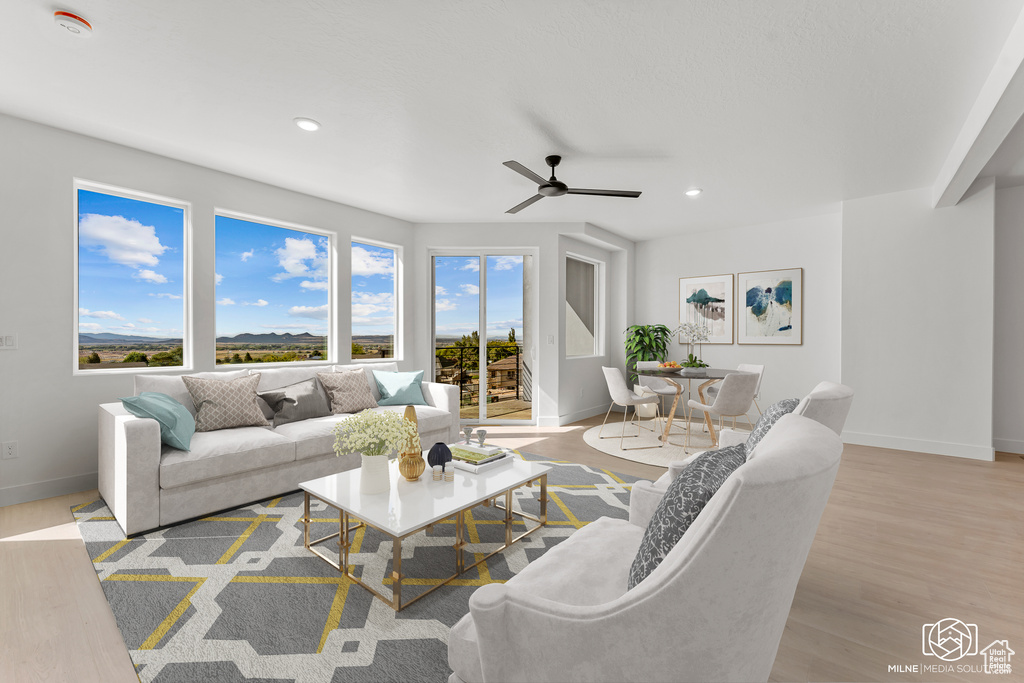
{"points": [[483, 334]]}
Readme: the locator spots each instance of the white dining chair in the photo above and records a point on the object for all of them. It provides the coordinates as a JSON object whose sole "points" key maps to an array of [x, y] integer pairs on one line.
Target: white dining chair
{"points": [[622, 396], [712, 391], [733, 399], [663, 388]]}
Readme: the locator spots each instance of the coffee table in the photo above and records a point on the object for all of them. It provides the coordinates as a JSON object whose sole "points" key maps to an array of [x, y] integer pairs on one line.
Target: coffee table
{"points": [[410, 507]]}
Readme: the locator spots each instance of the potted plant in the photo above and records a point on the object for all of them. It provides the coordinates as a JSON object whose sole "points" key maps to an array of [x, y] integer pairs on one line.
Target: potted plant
{"points": [[645, 342], [693, 334], [374, 435]]}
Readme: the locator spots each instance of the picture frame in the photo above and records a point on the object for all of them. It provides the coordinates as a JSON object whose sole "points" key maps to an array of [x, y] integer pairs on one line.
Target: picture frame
{"points": [[708, 300], [770, 307]]}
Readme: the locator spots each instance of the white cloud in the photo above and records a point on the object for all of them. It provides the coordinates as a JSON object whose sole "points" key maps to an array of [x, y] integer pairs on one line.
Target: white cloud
{"points": [[373, 322], [246, 255], [365, 263], [123, 241], [226, 302], [507, 262], [471, 264], [302, 257], [440, 291], [165, 295], [89, 327], [128, 326], [444, 305], [258, 302], [146, 320], [217, 278], [365, 304], [307, 284], [105, 315], [470, 290], [150, 276], [314, 312]]}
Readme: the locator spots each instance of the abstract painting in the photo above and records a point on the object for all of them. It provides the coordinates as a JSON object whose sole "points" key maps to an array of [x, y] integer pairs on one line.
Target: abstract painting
{"points": [[772, 307], [708, 302]]}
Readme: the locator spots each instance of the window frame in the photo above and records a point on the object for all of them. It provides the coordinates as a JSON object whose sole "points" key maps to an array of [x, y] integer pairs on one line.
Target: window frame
{"points": [[187, 360], [600, 312], [398, 355], [332, 331]]}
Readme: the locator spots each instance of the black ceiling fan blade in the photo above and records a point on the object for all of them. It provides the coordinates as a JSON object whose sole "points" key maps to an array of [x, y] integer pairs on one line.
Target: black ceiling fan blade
{"points": [[604, 193], [519, 207], [522, 170]]}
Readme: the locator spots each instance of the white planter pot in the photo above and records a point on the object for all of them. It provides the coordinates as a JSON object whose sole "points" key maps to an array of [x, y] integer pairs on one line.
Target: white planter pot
{"points": [[374, 474]]}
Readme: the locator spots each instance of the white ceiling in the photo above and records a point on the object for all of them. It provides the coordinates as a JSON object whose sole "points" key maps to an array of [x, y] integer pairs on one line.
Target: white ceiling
{"points": [[777, 109]]}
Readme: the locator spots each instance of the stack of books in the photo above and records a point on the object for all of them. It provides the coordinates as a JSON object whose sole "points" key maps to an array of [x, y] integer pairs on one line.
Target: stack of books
{"points": [[477, 458]]}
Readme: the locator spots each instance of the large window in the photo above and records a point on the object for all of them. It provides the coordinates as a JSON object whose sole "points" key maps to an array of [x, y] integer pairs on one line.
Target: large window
{"points": [[581, 308], [374, 290], [132, 293], [273, 292]]}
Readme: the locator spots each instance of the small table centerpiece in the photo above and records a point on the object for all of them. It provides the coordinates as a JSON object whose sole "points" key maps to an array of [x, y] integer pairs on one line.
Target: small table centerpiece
{"points": [[374, 435]]}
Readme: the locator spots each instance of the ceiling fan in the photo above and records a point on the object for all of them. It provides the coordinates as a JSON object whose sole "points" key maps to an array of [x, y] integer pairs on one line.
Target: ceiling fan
{"points": [[555, 187]]}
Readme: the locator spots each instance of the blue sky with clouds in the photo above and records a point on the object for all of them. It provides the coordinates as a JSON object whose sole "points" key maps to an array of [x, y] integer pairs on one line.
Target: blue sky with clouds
{"points": [[131, 266], [457, 295]]}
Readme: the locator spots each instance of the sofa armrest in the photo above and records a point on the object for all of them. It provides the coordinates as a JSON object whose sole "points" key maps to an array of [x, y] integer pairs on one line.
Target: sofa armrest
{"points": [[644, 498], [731, 437], [129, 467], [446, 397], [674, 468]]}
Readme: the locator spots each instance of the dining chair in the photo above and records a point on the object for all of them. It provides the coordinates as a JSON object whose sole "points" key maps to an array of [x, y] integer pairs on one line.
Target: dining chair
{"points": [[733, 399], [622, 396], [663, 388], [712, 391]]}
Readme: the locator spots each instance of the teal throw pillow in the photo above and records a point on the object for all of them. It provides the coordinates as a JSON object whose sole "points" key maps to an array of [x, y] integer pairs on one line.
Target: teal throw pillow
{"points": [[176, 424], [400, 388]]}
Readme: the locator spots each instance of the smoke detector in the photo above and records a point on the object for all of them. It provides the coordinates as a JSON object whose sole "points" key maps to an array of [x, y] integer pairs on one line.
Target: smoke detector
{"points": [[72, 23]]}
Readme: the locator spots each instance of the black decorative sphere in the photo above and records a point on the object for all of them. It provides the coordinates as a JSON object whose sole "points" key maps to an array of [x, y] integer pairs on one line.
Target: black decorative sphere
{"points": [[439, 454]]}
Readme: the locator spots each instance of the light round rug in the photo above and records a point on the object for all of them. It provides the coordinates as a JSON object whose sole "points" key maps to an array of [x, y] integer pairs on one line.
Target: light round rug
{"points": [[646, 448]]}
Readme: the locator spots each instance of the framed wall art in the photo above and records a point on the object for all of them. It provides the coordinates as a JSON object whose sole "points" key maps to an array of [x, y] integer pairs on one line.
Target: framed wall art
{"points": [[771, 307], [708, 302]]}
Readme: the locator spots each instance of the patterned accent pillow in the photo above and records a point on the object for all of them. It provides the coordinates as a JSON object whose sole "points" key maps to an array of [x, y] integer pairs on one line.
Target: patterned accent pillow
{"points": [[299, 401], [348, 390], [221, 404], [684, 499], [767, 421]]}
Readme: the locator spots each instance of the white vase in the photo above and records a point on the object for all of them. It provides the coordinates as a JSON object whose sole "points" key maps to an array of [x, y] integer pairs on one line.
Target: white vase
{"points": [[374, 474]]}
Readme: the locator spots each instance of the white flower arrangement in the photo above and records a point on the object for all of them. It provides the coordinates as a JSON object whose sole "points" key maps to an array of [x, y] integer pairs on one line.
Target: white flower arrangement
{"points": [[693, 333], [373, 432]]}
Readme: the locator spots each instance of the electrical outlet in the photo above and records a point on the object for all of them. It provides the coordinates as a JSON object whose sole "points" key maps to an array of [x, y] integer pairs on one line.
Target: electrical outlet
{"points": [[551, 339], [8, 342], [10, 450], [581, 392]]}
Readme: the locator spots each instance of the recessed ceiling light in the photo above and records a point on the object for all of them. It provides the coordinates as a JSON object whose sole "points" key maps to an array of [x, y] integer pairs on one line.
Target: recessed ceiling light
{"points": [[73, 23], [307, 124], [693, 192]]}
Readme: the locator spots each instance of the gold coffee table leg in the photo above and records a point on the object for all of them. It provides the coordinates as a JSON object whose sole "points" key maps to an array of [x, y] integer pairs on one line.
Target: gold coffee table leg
{"points": [[305, 522], [396, 574]]}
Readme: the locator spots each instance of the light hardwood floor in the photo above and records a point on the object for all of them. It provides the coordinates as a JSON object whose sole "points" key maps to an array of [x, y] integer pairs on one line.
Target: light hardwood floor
{"points": [[907, 539]]}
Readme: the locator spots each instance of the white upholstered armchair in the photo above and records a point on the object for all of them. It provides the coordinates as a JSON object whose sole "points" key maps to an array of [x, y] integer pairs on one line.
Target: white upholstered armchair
{"points": [[713, 610]]}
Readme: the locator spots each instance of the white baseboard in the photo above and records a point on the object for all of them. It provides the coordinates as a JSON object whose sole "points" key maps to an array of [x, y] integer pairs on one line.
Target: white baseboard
{"points": [[958, 450], [581, 414], [1009, 445], [12, 495]]}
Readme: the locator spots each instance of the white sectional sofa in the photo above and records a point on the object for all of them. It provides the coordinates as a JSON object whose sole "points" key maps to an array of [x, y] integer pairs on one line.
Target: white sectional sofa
{"points": [[147, 484]]}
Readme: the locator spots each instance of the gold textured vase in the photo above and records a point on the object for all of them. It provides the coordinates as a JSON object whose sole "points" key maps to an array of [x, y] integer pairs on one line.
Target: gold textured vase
{"points": [[410, 462]]}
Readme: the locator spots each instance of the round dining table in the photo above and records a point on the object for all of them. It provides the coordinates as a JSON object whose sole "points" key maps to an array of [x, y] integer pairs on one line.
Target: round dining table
{"points": [[673, 375]]}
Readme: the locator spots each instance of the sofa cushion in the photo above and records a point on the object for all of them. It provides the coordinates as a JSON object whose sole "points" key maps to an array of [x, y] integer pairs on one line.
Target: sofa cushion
{"points": [[311, 437], [347, 390], [399, 388], [591, 567], [683, 501], [223, 452], [275, 378], [176, 424], [175, 388], [299, 401], [223, 404], [771, 415], [367, 369], [429, 418]]}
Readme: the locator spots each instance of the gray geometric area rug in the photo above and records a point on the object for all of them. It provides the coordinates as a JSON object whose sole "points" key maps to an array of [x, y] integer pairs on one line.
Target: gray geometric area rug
{"points": [[235, 597]]}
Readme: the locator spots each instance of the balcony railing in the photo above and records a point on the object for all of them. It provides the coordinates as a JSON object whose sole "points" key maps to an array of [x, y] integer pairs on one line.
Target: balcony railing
{"points": [[507, 376]]}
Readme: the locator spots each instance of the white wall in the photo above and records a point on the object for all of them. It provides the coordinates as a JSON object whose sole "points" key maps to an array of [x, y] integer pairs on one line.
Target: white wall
{"points": [[810, 243], [918, 322], [1008, 375], [51, 413]]}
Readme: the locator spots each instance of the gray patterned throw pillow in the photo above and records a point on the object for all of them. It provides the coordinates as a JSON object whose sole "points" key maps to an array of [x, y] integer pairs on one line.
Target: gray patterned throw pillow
{"points": [[299, 401], [222, 404], [684, 499], [348, 390], [768, 419]]}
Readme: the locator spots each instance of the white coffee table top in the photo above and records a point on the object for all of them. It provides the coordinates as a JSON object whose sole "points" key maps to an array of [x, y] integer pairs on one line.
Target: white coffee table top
{"points": [[411, 505]]}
